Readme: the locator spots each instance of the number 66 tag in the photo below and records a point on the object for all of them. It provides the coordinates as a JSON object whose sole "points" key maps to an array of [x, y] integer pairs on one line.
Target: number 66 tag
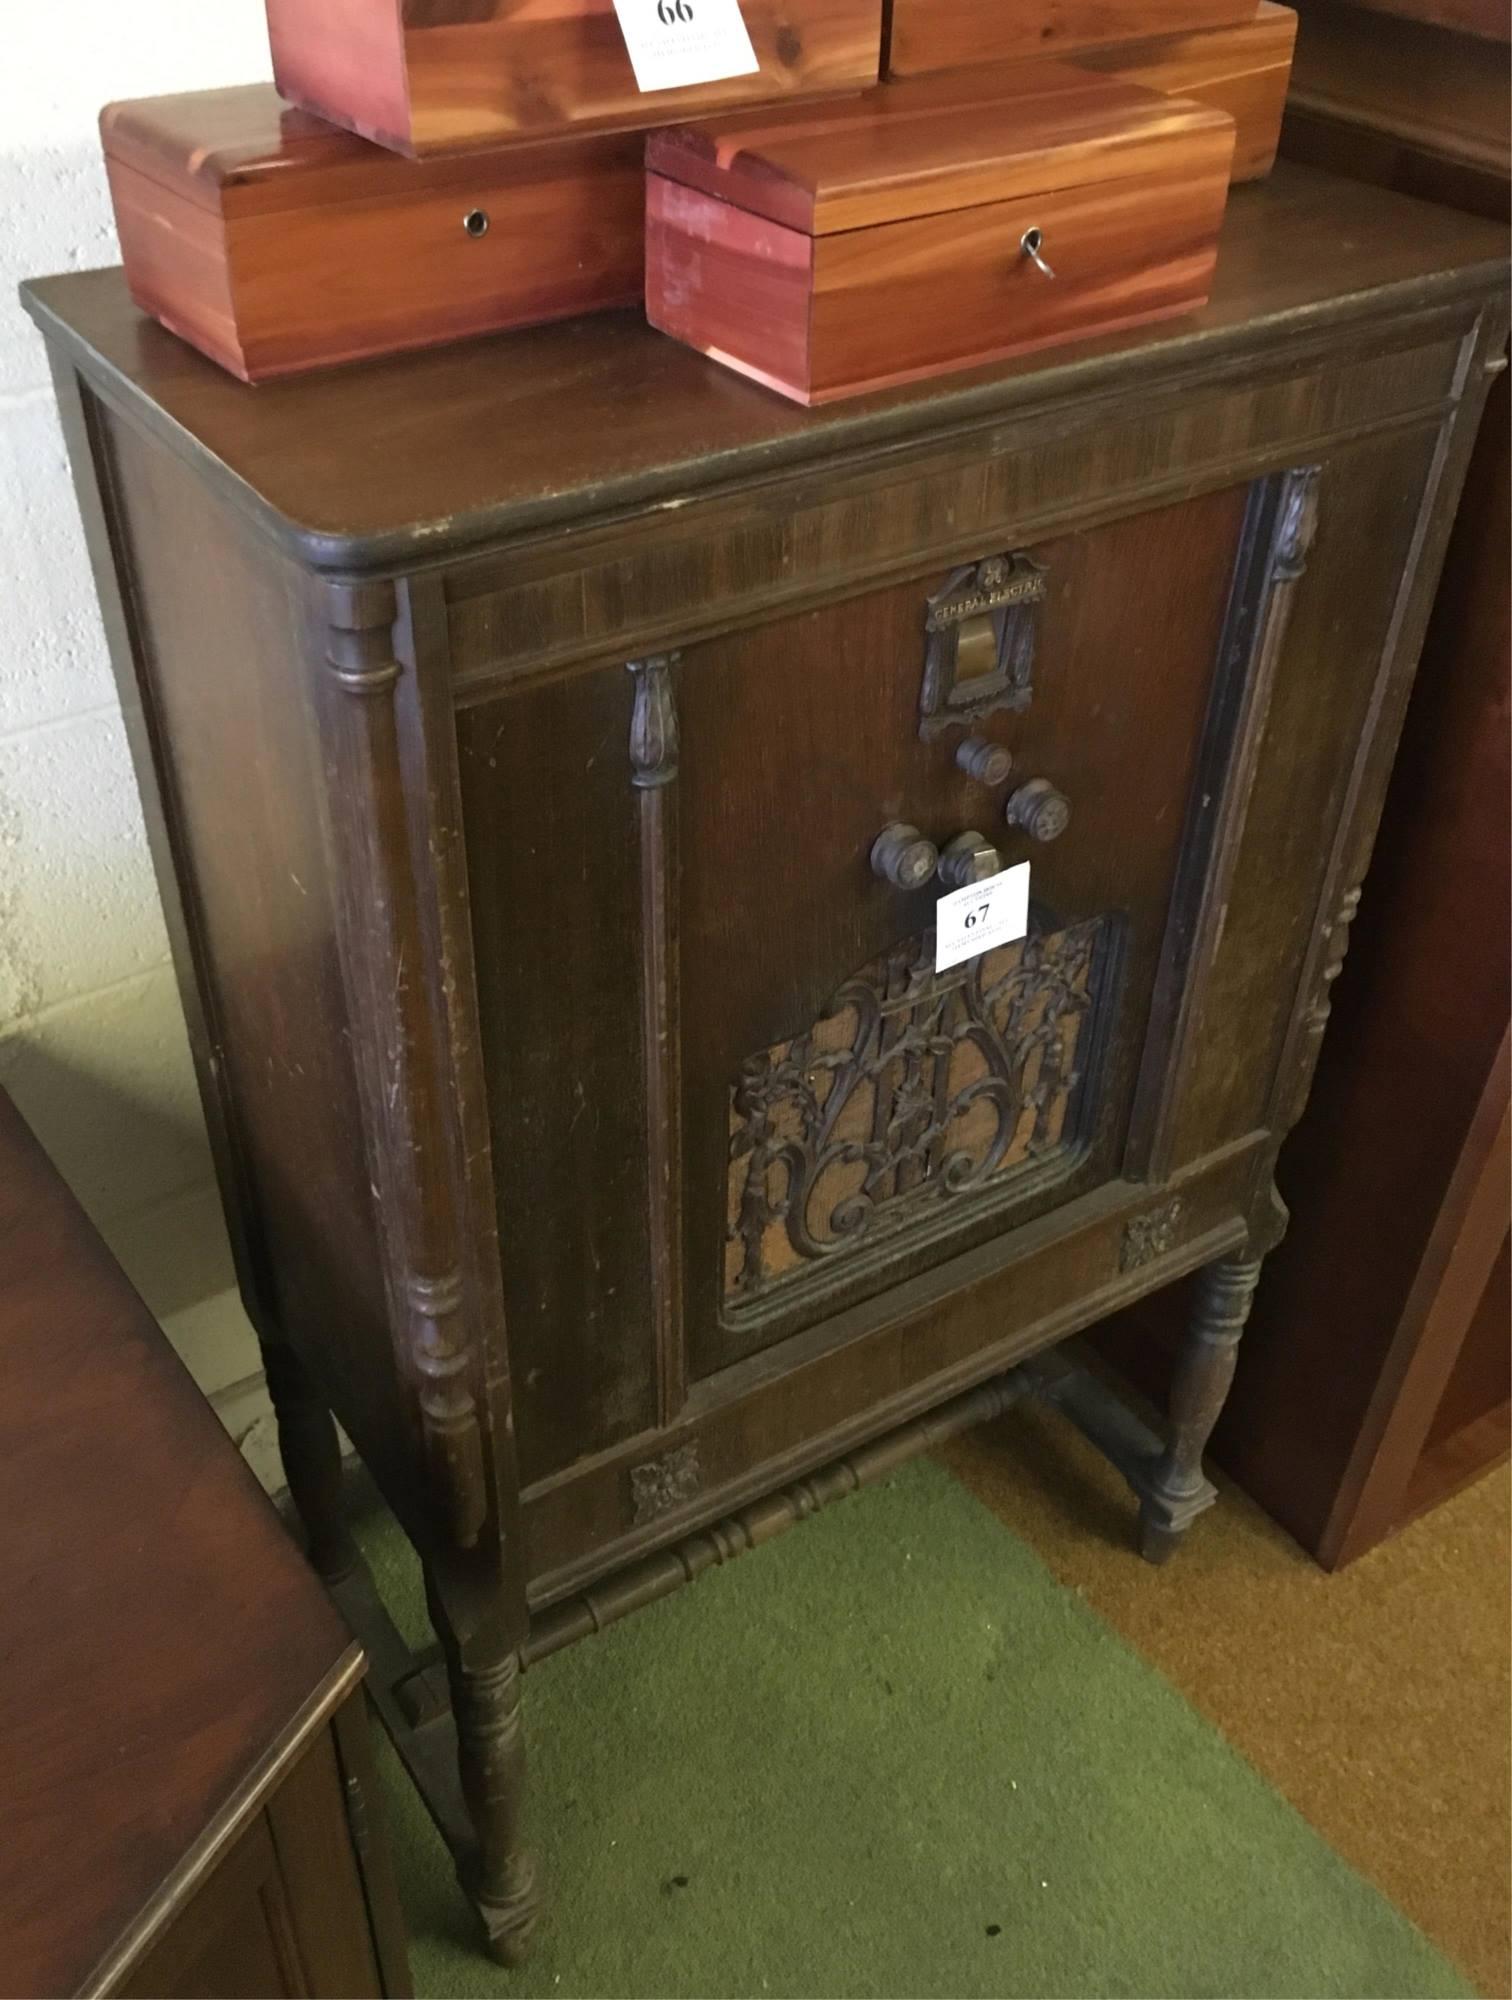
{"points": [[982, 916], [677, 42]]}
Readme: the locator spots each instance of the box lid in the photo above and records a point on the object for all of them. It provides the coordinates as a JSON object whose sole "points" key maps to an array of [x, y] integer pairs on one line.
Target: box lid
{"points": [[244, 151], [916, 149]]}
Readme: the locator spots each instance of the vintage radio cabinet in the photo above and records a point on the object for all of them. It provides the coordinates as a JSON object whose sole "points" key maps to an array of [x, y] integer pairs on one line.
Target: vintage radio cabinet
{"points": [[554, 748]]}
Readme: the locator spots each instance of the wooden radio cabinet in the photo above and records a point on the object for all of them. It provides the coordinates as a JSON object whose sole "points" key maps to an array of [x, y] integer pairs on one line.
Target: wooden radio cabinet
{"points": [[554, 749]]}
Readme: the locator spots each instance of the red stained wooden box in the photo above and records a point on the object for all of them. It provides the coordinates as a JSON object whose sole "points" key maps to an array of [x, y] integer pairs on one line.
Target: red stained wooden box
{"points": [[427, 75], [929, 35], [829, 251], [1243, 69], [276, 244]]}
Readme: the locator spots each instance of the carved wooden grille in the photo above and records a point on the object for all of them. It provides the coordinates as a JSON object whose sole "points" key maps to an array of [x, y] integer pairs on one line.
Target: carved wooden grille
{"points": [[912, 1088]]}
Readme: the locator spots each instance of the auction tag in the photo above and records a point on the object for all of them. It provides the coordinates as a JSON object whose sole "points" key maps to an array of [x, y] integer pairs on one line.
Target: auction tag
{"points": [[677, 42], [983, 915]]}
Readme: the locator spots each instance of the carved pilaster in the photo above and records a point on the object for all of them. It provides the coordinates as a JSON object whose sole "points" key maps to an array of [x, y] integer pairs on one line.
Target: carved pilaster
{"points": [[1301, 1060], [400, 1038], [443, 1359], [653, 723], [653, 750], [1296, 524], [1280, 524]]}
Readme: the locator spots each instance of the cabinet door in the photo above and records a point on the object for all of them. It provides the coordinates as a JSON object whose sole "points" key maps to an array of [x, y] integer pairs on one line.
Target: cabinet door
{"points": [[730, 1098], [844, 1114]]}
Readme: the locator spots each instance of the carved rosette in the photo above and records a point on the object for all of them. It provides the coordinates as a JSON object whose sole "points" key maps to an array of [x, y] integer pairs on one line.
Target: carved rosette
{"points": [[1150, 1235], [664, 1483], [401, 1045]]}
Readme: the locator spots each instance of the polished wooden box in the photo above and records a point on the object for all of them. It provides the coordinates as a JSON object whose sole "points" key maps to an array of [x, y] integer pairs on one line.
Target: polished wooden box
{"points": [[828, 251], [1242, 69], [427, 75], [552, 749], [275, 243], [928, 35]]}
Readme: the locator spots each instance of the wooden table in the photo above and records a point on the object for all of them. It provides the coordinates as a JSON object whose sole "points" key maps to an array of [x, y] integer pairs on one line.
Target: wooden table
{"points": [[185, 1777], [549, 743]]}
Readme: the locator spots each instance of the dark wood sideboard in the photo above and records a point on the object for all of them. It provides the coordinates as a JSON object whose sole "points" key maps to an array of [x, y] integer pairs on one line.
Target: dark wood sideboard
{"points": [[189, 1803], [548, 743], [1375, 1383]]}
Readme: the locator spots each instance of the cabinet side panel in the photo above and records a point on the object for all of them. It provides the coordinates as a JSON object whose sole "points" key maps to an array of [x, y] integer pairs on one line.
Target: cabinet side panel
{"points": [[221, 674]]}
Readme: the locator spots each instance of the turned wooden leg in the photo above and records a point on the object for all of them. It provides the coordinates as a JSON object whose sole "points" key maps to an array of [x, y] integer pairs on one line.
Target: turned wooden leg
{"points": [[311, 1452], [1175, 1492], [499, 1876]]}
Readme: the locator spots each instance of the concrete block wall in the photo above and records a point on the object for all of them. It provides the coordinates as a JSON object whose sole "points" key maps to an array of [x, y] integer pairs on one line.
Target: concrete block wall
{"points": [[92, 1041]]}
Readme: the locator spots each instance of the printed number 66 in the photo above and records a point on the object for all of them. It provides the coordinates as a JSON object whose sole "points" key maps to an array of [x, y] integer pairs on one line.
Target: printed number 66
{"points": [[668, 11]]}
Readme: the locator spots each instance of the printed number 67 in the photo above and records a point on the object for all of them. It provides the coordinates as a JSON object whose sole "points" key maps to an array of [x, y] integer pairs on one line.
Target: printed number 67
{"points": [[973, 917]]}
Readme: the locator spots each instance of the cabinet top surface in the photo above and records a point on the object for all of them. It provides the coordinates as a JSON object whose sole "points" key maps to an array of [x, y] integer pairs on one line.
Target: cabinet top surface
{"points": [[166, 1648], [392, 462]]}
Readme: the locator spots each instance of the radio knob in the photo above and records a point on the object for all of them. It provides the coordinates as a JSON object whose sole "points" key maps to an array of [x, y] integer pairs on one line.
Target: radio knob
{"points": [[988, 763], [901, 855], [1039, 809], [970, 857]]}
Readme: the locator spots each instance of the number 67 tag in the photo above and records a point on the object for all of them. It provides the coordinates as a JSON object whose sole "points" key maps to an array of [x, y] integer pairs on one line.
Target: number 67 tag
{"points": [[982, 916], [677, 42]]}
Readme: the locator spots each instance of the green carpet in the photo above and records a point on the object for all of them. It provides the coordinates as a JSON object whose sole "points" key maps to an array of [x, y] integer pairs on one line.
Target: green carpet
{"points": [[890, 1755]]}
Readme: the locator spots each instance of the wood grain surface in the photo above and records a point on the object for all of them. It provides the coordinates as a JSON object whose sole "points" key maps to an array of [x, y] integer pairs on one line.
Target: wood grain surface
{"points": [[1242, 69], [603, 408], [830, 255], [425, 75], [166, 1648], [926, 35], [468, 938], [1441, 93], [275, 244], [936, 147]]}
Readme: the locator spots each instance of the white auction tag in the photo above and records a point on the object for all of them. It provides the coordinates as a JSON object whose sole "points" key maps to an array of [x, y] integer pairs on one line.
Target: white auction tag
{"points": [[677, 42], [982, 916]]}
